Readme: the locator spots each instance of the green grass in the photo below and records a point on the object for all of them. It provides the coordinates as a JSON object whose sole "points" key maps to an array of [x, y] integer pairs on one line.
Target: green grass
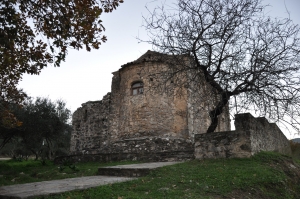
{"points": [[18, 172], [265, 175]]}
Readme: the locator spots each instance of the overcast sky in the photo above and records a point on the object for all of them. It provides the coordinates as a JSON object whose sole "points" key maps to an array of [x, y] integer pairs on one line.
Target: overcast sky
{"points": [[86, 76]]}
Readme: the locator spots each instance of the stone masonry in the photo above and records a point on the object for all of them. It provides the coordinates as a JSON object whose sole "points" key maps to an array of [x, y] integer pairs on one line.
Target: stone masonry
{"points": [[164, 120], [156, 122], [252, 135]]}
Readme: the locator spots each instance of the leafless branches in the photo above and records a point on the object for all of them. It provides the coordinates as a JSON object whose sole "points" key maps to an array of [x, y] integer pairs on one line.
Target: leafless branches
{"points": [[239, 52]]}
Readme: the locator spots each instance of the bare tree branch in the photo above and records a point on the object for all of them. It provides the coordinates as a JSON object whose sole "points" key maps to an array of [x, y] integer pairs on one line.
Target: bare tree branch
{"points": [[239, 52]]}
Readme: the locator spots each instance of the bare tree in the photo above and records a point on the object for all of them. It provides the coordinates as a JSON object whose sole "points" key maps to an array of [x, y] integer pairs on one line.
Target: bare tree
{"points": [[238, 50]]}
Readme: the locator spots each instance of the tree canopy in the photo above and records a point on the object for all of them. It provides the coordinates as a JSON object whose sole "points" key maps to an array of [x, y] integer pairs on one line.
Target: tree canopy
{"points": [[45, 125], [252, 61], [36, 33]]}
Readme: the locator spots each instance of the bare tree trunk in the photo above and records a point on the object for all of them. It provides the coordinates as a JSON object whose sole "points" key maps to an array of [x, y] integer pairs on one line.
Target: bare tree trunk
{"points": [[218, 110], [239, 50]]}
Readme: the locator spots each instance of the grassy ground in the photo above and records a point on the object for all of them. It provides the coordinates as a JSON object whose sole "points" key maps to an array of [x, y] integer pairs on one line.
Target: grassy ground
{"points": [[266, 175], [18, 172]]}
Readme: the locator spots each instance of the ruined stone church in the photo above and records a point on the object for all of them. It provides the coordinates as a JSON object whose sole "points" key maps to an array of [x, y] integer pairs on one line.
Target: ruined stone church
{"points": [[147, 116]]}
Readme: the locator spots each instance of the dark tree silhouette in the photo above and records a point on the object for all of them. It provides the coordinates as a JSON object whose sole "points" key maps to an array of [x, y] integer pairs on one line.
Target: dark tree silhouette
{"points": [[251, 60], [36, 33], [44, 125]]}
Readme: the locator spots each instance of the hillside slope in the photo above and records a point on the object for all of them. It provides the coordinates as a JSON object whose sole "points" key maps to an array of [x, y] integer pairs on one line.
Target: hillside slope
{"points": [[264, 176]]}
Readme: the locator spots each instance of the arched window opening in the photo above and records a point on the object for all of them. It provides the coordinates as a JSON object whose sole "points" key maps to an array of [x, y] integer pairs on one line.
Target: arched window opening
{"points": [[137, 88]]}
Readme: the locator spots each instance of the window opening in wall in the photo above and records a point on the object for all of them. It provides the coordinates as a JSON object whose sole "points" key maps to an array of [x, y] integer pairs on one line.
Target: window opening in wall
{"points": [[137, 88]]}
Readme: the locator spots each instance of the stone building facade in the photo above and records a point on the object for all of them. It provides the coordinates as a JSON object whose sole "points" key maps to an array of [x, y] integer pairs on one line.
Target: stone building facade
{"points": [[145, 112], [154, 116]]}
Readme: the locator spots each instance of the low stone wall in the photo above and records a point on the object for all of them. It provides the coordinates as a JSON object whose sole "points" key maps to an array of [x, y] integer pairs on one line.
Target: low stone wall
{"points": [[264, 136], [151, 144], [252, 135], [222, 145], [150, 149]]}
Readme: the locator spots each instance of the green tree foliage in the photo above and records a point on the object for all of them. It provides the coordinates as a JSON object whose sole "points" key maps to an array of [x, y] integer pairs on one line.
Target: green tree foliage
{"points": [[36, 33], [44, 129]]}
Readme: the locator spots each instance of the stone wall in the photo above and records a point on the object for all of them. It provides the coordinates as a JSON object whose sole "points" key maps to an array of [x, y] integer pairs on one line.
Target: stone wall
{"points": [[201, 100], [152, 113], [264, 136], [252, 135], [171, 107], [162, 120], [91, 126], [222, 145], [168, 121], [140, 149]]}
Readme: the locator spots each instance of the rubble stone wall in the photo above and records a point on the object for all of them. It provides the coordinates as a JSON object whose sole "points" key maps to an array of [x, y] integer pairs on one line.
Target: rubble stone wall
{"points": [[162, 120], [138, 149], [222, 145], [91, 126], [152, 113], [201, 100], [252, 135], [264, 136]]}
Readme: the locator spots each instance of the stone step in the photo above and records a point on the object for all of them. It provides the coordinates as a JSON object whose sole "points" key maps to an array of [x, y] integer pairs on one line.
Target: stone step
{"points": [[132, 170]]}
